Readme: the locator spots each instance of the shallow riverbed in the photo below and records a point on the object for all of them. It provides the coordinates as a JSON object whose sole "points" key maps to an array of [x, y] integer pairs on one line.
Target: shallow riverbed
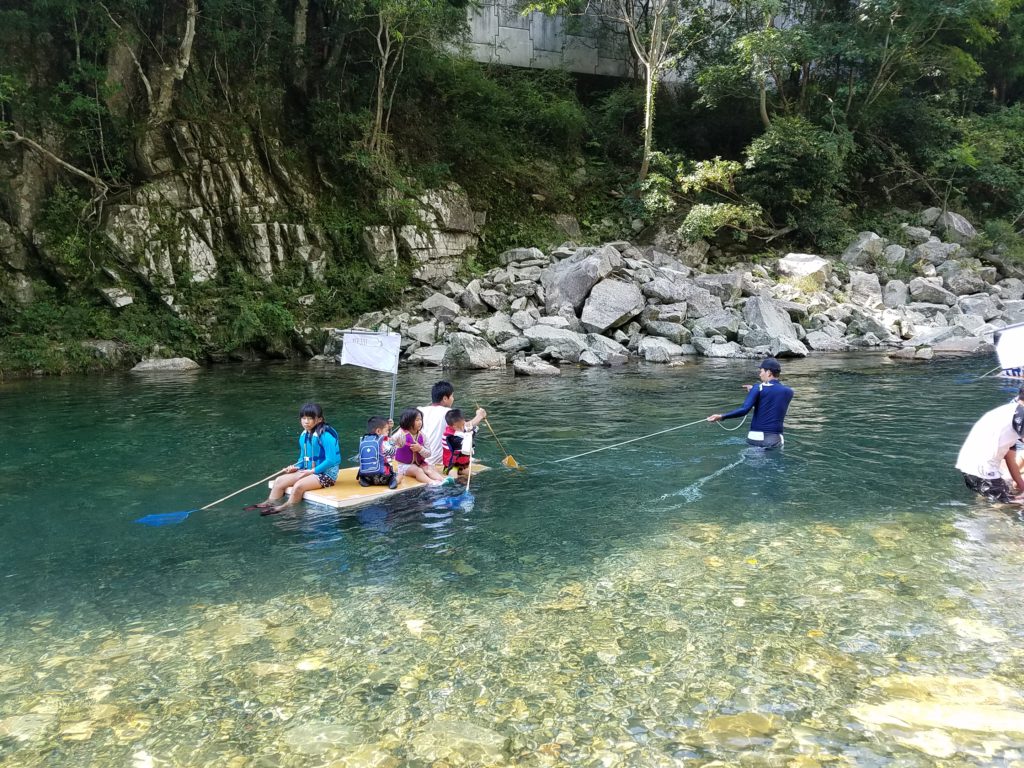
{"points": [[677, 601]]}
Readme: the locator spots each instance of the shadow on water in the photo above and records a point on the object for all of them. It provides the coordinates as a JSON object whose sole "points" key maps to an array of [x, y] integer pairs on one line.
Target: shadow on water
{"points": [[866, 438]]}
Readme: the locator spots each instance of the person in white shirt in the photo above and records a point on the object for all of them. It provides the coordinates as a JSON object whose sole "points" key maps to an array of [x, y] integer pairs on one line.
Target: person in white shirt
{"points": [[990, 447], [442, 397]]}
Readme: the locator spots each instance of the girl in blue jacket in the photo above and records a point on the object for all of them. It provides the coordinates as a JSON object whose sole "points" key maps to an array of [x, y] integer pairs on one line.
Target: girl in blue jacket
{"points": [[316, 467]]}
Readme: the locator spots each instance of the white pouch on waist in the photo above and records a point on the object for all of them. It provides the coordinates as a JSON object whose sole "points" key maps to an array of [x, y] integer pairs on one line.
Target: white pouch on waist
{"points": [[752, 435], [467, 443]]}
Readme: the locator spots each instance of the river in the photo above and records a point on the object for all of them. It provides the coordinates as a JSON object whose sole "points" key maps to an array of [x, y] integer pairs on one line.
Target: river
{"points": [[676, 601]]}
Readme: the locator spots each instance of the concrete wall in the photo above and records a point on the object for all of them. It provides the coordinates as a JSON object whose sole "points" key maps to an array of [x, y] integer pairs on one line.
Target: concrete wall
{"points": [[500, 35]]}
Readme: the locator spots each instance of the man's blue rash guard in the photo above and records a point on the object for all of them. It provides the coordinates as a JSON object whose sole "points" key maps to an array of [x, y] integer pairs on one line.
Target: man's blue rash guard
{"points": [[772, 401], [323, 450]]}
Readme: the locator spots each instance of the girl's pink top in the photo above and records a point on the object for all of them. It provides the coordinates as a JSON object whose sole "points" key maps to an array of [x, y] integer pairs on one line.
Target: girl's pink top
{"points": [[404, 454]]}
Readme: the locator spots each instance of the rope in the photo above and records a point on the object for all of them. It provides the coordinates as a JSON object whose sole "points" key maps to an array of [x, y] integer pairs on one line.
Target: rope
{"points": [[644, 437], [987, 373]]}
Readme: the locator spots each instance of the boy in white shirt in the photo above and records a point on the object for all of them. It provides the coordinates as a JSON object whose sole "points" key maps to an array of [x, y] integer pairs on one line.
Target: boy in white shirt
{"points": [[442, 396]]}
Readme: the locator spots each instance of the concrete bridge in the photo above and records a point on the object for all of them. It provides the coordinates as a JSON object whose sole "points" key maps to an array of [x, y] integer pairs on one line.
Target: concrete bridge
{"points": [[500, 35]]}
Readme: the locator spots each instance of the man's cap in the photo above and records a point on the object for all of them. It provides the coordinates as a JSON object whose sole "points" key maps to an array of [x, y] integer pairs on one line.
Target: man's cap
{"points": [[771, 364]]}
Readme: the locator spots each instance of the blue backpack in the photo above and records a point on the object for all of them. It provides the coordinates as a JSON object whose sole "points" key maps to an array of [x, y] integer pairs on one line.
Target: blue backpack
{"points": [[370, 460]]}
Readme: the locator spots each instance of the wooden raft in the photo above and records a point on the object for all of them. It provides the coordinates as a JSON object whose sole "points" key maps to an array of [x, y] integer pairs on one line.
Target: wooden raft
{"points": [[347, 492]]}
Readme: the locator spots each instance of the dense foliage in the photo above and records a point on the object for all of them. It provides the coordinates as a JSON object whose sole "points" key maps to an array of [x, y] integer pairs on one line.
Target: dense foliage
{"points": [[785, 120]]}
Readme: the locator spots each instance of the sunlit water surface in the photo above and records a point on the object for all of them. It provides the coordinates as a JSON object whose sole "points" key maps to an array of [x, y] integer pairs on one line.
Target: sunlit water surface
{"points": [[676, 601]]}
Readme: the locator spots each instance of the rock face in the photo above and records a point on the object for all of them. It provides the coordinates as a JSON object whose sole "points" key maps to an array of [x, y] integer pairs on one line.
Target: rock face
{"points": [[604, 305]]}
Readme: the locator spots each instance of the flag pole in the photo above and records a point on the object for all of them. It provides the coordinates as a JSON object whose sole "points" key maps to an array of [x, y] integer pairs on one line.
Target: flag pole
{"points": [[394, 386]]}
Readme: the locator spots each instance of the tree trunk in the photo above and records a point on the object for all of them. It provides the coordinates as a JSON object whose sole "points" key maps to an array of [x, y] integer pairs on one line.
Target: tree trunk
{"points": [[172, 73], [650, 83], [762, 105], [300, 73]]}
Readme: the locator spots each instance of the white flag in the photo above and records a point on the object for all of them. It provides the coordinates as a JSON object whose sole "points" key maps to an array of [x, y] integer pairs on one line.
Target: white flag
{"points": [[1010, 346], [378, 351]]}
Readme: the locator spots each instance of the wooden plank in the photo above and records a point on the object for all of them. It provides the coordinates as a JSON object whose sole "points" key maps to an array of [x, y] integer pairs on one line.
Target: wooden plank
{"points": [[347, 492]]}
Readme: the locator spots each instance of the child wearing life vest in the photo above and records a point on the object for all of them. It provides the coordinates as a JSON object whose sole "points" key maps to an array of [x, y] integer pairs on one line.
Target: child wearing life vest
{"points": [[457, 443], [375, 454], [410, 457], [317, 465]]}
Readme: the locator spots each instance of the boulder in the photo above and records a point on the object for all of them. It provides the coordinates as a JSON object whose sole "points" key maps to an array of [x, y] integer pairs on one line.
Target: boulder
{"points": [[611, 303], [722, 323], [787, 346], [805, 268], [468, 351], [934, 252], [727, 287], [980, 305], [534, 366], [424, 333], [916, 235], [671, 313], [955, 228], [516, 344], [1011, 288], [864, 250], [151, 365], [441, 307], [568, 283], [700, 301], [768, 316], [932, 336], [861, 323], [496, 300], [117, 297], [470, 299], [865, 289], [964, 283], [498, 328], [930, 290], [521, 254], [895, 294], [674, 332], [894, 255], [433, 355], [728, 350], [819, 341], [562, 343], [525, 318], [663, 290], [607, 351], [929, 216], [654, 349]]}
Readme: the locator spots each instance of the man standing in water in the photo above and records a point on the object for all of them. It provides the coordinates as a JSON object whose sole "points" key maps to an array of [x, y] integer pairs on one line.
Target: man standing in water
{"points": [[770, 401], [991, 444]]}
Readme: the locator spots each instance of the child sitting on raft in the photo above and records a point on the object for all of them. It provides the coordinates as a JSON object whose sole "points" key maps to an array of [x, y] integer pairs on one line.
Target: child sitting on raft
{"points": [[411, 453], [316, 467], [375, 454], [457, 443]]}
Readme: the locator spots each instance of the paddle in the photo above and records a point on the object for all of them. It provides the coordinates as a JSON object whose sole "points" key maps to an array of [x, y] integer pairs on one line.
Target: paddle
{"points": [[508, 461], [173, 518]]}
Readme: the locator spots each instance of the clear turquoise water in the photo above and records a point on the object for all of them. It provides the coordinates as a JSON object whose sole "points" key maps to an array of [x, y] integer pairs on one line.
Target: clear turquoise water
{"points": [[682, 600]]}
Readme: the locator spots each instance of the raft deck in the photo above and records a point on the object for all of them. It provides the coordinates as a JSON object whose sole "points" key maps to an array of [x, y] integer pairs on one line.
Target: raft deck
{"points": [[347, 492]]}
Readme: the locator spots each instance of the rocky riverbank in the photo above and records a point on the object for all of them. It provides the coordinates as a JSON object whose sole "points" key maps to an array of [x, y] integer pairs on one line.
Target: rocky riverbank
{"points": [[930, 294]]}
